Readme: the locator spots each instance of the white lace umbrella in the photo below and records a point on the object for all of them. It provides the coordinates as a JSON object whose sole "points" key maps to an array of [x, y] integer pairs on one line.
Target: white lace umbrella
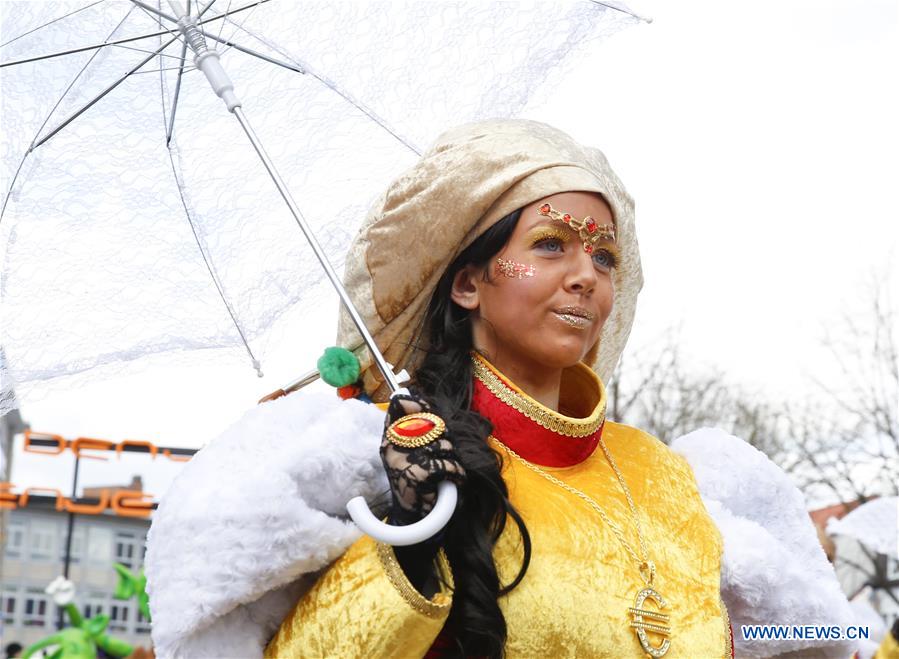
{"points": [[874, 524], [136, 217]]}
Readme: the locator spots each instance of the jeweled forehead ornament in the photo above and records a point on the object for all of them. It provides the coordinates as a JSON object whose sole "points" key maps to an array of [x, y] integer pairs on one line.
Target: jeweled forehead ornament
{"points": [[588, 230]]}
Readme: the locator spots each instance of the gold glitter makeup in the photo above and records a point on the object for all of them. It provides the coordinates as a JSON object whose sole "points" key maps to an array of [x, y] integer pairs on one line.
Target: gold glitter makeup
{"points": [[548, 232], [541, 233], [512, 269]]}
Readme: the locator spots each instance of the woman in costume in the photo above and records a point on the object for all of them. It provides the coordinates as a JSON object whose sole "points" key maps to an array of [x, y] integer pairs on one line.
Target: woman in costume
{"points": [[502, 273]]}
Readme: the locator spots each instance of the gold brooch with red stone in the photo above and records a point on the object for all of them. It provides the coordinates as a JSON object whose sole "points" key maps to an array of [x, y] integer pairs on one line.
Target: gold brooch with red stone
{"points": [[415, 430], [588, 230]]}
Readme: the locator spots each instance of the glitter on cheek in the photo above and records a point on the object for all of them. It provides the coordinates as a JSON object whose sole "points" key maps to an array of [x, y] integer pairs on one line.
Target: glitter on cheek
{"points": [[513, 270]]}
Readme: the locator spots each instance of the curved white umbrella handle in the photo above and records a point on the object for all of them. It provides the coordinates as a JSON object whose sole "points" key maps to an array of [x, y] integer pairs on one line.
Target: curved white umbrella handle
{"points": [[401, 536]]}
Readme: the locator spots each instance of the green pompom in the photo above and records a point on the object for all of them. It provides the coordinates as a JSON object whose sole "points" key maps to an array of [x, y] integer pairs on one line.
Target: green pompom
{"points": [[338, 367]]}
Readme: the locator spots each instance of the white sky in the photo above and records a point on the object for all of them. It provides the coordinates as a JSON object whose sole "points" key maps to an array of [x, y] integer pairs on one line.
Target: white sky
{"points": [[760, 142]]}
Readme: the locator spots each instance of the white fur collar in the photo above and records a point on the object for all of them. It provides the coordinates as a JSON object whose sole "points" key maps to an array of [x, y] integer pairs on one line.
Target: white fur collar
{"points": [[774, 569]]}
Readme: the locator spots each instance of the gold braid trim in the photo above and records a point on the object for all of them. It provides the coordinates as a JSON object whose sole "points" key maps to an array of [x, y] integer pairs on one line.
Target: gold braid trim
{"points": [[540, 414], [728, 641], [436, 608]]}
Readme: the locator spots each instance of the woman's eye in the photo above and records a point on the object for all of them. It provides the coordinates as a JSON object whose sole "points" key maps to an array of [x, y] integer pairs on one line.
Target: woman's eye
{"points": [[604, 259], [550, 244]]}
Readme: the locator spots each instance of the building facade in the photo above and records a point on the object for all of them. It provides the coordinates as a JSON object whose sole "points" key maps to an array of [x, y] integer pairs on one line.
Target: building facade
{"points": [[34, 554]]}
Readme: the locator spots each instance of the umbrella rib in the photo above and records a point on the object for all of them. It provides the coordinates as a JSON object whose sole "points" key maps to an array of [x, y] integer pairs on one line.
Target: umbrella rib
{"points": [[129, 39], [178, 184], [171, 124], [249, 51], [241, 26], [50, 114], [362, 108], [130, 72], [224, 20], [302, 67], [167, 68], [232, 44], [206, 8], [155, 11], [104, 93], [84, 48], [209, 267], [623, 10], [144, 50], [41, 27]]}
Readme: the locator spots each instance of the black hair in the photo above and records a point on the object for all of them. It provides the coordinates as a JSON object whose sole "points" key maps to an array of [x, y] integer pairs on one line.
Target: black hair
{"points": [[475, 623]]}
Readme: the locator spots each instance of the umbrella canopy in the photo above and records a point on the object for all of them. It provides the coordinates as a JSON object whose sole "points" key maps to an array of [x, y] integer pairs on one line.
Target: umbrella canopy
{"points": [[136, 218]]}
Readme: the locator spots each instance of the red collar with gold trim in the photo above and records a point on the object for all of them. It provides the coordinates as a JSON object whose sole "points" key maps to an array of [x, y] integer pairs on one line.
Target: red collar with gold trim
{"points": [[538, 434]]}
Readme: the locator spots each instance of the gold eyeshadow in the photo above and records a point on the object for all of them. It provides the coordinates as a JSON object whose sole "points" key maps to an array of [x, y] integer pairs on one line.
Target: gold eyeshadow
{"points": [[541, 233], [548, 232]]}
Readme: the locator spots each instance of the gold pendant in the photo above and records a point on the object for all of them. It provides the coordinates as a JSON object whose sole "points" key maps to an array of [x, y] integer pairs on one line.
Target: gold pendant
{"points": [[643, 622]]}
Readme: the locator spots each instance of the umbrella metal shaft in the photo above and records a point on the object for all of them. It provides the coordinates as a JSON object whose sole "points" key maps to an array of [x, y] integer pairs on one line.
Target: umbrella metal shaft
{"points": [[383, 366]]}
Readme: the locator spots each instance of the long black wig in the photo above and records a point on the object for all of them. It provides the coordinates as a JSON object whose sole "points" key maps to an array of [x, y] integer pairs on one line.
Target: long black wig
{"points": [[475, 623]]}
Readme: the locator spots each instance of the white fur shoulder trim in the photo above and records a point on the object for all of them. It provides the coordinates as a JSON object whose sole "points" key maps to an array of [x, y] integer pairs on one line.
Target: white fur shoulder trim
{"points": [[774, 570], [259, 507]]}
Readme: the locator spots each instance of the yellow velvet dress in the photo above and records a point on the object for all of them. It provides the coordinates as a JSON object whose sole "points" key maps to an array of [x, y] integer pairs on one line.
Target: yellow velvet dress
{"points": [[574, 600], [889, 648]]}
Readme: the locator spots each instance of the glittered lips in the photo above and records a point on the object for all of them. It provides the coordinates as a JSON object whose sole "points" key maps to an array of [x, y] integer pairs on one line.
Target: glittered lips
{"points": [[577, 317]]}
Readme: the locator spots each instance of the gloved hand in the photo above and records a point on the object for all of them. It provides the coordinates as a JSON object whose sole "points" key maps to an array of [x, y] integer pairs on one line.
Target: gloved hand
{"points": [[415, 471]]}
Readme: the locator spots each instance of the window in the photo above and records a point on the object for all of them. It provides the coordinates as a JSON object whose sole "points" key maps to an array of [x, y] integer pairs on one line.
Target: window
{"points": [[42, 541], [15, 539], [8, 608], [142, 625], [127, 549], [99, 546], [94, 605], [35, 613], [76, 552], [118, 617]]}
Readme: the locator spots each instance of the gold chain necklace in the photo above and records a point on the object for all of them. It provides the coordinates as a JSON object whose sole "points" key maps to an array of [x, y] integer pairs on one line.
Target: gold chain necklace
{"points": [[643, 620]]}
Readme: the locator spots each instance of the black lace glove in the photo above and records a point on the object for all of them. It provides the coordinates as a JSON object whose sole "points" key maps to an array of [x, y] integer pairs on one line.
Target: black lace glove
{"points": [[415, 471]]}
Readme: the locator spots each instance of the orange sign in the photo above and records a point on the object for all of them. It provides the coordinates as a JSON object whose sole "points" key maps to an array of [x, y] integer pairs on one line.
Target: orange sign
{"points": [[127, 503], [50, 444]]}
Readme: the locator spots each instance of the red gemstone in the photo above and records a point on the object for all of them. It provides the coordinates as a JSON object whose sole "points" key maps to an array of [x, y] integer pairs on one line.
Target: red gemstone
{"points": [[591, 225], [544, 209], [414, 427], [566, 217], [588, 248]]}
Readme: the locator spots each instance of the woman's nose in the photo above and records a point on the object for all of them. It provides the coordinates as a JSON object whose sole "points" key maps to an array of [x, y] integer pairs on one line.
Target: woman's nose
{"points": [[582, 275]]}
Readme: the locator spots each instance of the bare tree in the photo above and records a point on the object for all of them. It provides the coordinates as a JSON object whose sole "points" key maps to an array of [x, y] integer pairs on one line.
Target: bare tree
{"points": [[841, 443], [847, 442], [655, 390]]}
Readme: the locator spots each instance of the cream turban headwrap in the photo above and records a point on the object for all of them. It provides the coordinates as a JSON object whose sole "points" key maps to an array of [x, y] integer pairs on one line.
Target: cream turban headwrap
{"points": [[473, 176]]}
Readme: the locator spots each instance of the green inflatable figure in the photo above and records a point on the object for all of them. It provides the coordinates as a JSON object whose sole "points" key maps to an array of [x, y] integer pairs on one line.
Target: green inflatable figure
{"points": [[81, 640], [131, 585]]}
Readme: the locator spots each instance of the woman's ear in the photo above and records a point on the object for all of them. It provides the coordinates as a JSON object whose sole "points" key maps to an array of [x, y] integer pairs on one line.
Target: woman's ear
{"points": [[465, 288]]}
